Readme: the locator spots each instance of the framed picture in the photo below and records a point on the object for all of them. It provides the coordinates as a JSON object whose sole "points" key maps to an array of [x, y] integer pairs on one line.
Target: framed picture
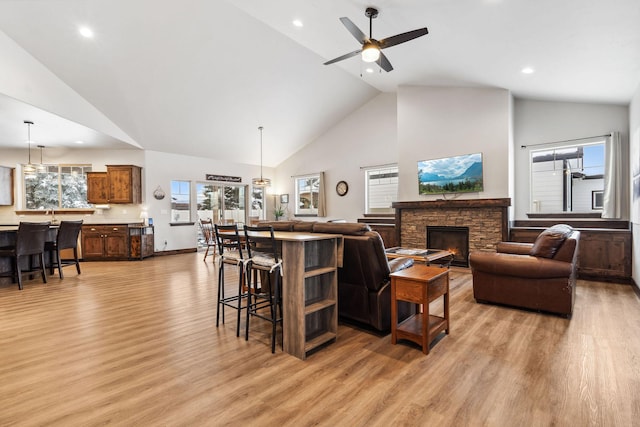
{"points": [[284, 198], [597, 199]]}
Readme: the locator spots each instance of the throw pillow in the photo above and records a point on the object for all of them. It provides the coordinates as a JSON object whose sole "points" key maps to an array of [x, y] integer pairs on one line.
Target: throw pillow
{"points": [[550, 240]]}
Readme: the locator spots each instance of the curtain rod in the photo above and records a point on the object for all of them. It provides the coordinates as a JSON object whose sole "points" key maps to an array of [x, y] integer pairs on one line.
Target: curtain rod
{"points": [[378, 166], [566, 140]]}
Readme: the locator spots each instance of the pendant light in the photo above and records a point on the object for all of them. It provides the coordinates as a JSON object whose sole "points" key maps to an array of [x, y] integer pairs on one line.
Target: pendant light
{"points": [[41, 168], [261, 182], [29, 168]]}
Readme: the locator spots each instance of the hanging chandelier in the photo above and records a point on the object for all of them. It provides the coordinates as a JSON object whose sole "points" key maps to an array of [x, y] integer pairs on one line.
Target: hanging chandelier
{"points": [[41, 168], [261, 182], [29, 168]]}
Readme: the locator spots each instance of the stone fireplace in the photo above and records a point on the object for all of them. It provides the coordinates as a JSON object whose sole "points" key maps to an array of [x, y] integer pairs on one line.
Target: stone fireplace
{"points": [[452, 239], [486, 219]]}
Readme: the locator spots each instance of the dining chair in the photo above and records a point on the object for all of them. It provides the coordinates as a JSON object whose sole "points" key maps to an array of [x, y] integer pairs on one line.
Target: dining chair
{"points": [[67, 238], [264, 300], [206, 228], [230, 252], [29, 243]]}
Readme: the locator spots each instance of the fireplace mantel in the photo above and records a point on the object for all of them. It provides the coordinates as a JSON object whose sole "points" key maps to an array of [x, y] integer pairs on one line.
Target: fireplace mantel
{"points": [[487, 220], [463, 203]]}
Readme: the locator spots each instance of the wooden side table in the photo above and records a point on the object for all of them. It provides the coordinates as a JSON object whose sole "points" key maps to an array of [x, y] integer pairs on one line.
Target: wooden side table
{"points": [[420, 284]]}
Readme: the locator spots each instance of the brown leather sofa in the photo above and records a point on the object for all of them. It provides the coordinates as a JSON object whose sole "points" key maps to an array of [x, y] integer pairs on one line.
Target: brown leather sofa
{"points": [[539, 276], [364, 287]]}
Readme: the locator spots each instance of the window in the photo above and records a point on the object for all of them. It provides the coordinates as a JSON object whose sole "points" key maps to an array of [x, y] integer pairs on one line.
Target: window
{"points": [[307, 195], [180, 201], [56, 187], [568, 178], [381, 189], [257, 203]]}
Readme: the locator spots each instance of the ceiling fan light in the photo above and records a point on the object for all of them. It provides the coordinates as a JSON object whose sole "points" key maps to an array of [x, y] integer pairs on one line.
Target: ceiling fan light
{"points": [[370, 53]]}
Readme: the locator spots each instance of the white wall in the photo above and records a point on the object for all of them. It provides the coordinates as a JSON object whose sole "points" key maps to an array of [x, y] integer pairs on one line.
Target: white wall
{"points": [[549, 121], [157, 169], [367, 137], [436, 122], [24, 78], [634, 131], [161, 168]]}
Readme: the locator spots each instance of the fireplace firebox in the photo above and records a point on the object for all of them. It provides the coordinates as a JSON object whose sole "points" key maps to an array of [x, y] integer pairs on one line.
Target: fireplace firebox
{"points": [[452, 239]]}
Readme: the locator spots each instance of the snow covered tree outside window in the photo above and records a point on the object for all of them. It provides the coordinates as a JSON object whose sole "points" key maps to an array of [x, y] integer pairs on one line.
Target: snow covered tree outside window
{"points": [[56, 187]]}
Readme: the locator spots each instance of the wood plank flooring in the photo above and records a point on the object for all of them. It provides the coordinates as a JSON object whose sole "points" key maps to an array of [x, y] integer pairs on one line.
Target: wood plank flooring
{"points": [[135, 343]]}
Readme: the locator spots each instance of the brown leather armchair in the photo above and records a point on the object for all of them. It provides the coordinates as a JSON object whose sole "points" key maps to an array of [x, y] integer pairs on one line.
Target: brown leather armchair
{"points": [[539, 276], [364, 286]]}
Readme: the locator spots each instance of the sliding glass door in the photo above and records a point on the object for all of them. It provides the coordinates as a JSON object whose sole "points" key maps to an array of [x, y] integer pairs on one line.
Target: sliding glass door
{"points": [[222, 203]]}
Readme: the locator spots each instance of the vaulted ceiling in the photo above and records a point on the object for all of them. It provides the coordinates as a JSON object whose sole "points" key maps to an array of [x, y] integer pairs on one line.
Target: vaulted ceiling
{"points": [[199, 76]]}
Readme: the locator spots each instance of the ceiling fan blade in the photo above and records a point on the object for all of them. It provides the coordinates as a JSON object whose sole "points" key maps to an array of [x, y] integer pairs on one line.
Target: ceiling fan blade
{"points": [[401, 38], [354, 30], [384, 63], [345, 56]]}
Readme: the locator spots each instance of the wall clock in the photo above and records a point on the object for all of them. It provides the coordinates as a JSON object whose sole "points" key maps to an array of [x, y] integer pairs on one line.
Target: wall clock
{"points": [[342, 188]]}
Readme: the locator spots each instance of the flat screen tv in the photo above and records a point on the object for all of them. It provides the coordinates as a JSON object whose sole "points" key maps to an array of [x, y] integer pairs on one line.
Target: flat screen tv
{"points": [[458, 174]]}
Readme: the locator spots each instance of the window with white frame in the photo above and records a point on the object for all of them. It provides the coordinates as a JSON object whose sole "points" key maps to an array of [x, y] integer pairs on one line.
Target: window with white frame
{"points": [[180, 201], [257, 203], [381, 189], [56, 187], [568, 178], [307, 195]]}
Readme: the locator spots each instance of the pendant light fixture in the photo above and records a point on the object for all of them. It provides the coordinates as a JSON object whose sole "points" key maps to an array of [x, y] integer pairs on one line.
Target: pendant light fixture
{"points": [[41, 168], [261, 182], [29, 168]]}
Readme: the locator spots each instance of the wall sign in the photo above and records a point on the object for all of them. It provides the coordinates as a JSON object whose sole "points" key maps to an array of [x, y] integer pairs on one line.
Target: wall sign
{"points": [[225, 178]]}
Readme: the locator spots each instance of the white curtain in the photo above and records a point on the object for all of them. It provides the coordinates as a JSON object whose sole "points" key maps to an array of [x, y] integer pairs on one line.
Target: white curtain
{"points": [[613, 179], [322, 211]]}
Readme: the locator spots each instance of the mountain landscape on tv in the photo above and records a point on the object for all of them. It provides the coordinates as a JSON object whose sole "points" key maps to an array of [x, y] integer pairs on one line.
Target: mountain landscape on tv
{"points": [[460, 174]]}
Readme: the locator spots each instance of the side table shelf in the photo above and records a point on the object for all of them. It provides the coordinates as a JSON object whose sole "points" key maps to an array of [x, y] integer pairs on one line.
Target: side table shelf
{"points": [[419, 284]]}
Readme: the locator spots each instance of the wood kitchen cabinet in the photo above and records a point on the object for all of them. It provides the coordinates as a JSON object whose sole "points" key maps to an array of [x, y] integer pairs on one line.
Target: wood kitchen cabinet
{"points": [[119, 184], [97, 188], [102, 242]]}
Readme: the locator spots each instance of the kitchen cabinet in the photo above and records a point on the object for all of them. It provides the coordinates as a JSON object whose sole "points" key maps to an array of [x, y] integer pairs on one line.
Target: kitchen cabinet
{"points": [[119, 184], [104, 242], [97, 188]]}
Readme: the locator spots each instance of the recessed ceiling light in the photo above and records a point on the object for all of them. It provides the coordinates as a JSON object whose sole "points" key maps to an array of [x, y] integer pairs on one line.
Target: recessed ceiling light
{"points": [[369, 70], [79, 142], [297, 23], [528, 70], [86, 32]]}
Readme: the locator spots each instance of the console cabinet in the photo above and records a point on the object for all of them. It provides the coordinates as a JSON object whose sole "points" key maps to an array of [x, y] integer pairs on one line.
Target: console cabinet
{"points": [[119, 184]]}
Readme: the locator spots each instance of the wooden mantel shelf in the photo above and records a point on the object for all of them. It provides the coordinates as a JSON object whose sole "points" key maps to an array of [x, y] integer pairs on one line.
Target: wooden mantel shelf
{"points": [[463, 203]]}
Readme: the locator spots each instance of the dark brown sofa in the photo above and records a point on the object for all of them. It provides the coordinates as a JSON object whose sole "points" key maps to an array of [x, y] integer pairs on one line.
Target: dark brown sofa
{"points": [[539, 276], [364, 287]]}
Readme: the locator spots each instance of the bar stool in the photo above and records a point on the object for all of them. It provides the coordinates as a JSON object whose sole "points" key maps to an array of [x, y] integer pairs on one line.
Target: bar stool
{"points": [[67, 238], [264, 260], [231, 253], [29, 242]]}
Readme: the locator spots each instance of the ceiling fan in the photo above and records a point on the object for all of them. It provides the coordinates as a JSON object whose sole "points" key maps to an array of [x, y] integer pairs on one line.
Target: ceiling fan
{"points": [[371, 48]]}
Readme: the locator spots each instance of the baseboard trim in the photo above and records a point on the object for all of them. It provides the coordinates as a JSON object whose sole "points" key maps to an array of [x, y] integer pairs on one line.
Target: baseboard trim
{"points": [[176, 252]]}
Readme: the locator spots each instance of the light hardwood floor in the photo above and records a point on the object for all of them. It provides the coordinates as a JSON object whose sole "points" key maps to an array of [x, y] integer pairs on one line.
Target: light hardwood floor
{"points": [[135, 343]]}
